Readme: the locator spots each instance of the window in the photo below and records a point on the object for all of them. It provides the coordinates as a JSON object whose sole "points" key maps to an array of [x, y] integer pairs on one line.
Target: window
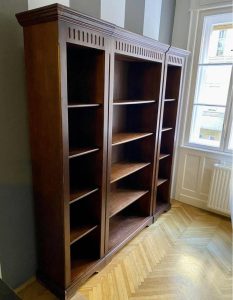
{"points": [[211, 125]]}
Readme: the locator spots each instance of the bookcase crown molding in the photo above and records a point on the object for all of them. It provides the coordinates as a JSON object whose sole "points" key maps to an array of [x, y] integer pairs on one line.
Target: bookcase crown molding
{"points": [[58, 12]]}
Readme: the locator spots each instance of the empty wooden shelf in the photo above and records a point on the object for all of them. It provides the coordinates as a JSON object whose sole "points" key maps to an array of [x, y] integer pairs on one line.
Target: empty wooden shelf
{"points": [[79, 194], [84, 255], [122, 169], [133, 102], [80, 267], [120, 138], [122, 198], [123, 227], [81, 151], [161, 181], [81, 105], [169, 100], [100, 99], [166, 128], [163, 155], [80, 231]]}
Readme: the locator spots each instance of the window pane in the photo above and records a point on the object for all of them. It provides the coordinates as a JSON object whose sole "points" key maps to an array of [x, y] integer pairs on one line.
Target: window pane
{"points": [[217, 39], [207, 125], [212, 84], [220, 44], [230, 146]]}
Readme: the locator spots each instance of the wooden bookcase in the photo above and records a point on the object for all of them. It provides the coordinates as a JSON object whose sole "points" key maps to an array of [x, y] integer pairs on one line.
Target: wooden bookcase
{"points": [[95, 106], [168, 120], [133, 117]]}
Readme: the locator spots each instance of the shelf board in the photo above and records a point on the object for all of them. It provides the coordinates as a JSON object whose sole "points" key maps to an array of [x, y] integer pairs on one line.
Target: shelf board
{"points": [[81, 105], [163, 155], [166, 129], [129, 102], [122, 198], [79, 194], [123, 169], [122, 227], [161, 181], [80, 266], [80, 231], [169, 100], [120, 138], [75, 152]]}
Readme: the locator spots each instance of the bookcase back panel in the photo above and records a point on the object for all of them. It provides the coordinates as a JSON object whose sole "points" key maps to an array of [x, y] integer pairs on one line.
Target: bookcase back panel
{"points": [[85, 171], [173, 82], [141, 150], [167, 142], [83, 129], [170, 114], [163, 194], [139, 180], [135, 118], [136, 79], [165, 168], [85, 74]]}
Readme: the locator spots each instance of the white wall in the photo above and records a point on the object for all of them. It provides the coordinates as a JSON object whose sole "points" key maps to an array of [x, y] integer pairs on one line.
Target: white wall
{"points": [[38, 3], [91, 8], [113, 11], [152, 18], [194, 167]]}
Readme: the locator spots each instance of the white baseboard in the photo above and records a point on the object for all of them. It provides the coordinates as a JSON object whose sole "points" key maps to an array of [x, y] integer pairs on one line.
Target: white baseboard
{"points": [[199, 203], [192, 201]]}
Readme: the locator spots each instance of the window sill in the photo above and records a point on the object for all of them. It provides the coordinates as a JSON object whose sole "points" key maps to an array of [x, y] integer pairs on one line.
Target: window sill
{"points": [[206, 150]]}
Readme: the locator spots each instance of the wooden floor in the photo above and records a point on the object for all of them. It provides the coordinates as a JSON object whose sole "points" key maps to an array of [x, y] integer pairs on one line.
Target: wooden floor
{"points": [[185, 255]]}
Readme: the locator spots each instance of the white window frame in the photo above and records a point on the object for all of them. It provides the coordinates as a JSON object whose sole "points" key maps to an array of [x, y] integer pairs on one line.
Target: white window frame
{"points": [[199, 28]]}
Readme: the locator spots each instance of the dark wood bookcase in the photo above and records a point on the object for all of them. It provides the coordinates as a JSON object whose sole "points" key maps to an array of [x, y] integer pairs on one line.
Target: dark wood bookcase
{"points": [[102, 108], [85, 105], [133, 117], [167, 129]]}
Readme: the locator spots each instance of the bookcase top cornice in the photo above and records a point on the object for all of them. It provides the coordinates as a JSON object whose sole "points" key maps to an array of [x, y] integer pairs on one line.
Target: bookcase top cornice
{"points": [[57, 12]]}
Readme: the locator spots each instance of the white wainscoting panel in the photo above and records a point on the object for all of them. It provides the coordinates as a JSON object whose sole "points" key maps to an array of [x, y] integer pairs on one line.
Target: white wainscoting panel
{"points": [[194, 174], [190, 173]]}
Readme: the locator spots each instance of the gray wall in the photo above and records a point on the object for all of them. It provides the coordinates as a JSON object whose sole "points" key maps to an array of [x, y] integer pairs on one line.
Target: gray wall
{"points": [[134, 15], [17, 243], [151, 18], [166, 21], [91, 8], [113, 11], [181, 24], [38, 3]]}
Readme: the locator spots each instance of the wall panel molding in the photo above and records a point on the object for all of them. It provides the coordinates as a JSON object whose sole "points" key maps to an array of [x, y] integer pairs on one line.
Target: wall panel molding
{"points": [[194, 174]]}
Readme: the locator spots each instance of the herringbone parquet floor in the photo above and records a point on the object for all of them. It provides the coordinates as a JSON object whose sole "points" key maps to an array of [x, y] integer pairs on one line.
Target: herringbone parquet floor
{"points": [[185, 255]]}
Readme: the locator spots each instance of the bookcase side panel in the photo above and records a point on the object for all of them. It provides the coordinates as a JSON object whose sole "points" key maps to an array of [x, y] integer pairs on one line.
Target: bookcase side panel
{"points": [[45, 117]]}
